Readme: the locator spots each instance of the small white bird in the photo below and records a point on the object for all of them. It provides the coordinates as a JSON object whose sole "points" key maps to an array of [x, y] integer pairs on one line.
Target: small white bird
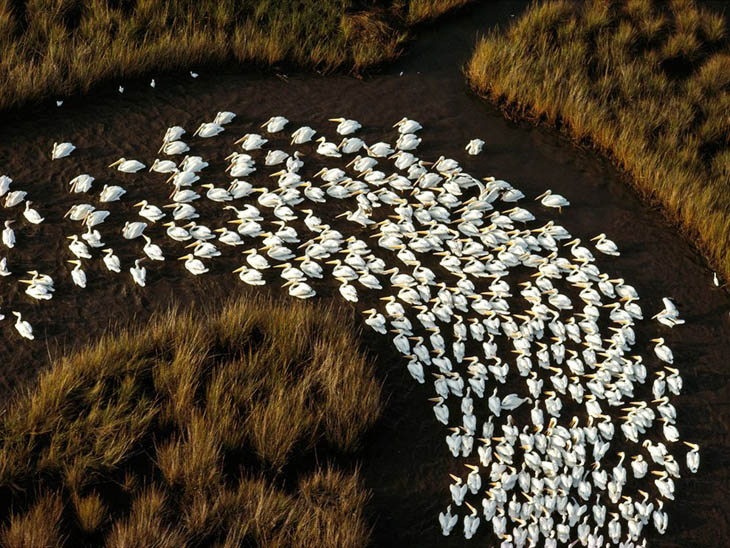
{"points": [[152, 83], [111, 261], [662, 351], [130, 231], [224, 117], [127, 166], [153, 251], [150, 212], [61, 150], [139, 273], [8, 235], [14, 198], [23, 327], [275, 124], [302, 135], [548, 199], [32, 215], [474, 147], [193, 265], [77, 275], [111, 193], [346, 127], [121, 89], [194, 74]]}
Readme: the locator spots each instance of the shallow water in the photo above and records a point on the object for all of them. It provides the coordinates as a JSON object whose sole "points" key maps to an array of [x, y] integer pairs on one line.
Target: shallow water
{"points": [[406, 461]]}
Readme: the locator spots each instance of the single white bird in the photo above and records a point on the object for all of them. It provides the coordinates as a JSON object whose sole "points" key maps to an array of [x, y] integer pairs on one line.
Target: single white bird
{"points": [[111, 261], [474, 147], [32, 215], [61, 150], [346, 127], [139, 273], [23, 327], [130, 231], [127, 166]]}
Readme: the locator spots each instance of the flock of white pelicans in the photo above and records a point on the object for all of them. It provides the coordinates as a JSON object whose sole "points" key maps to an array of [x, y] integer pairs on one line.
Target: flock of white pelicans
{"points": [[577, 456]]}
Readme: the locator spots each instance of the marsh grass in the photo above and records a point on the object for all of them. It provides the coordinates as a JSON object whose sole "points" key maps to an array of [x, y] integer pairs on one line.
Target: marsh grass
{"points": [[196, 430], [647, 83], [56, 48]]}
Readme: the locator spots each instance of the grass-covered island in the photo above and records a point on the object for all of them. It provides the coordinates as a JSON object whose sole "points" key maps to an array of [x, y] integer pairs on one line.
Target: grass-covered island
{"points": [[196, 430], [648, 83]]}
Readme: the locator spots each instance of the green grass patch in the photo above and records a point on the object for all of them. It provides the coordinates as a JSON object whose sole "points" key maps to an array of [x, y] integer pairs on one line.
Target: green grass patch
{"points": [[647, 83], [196, 430]]}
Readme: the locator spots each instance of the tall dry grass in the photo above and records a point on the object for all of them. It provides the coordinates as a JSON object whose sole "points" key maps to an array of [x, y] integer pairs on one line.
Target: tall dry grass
{"points": [[55, 48], [198, 429], [647, 83]]}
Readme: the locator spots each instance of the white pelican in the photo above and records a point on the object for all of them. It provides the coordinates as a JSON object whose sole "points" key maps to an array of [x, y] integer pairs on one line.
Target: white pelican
{"points": [[548, 199], [325, 148], [193, 265], [208, 129], [127, 166], [474, 147], [153, 251], [379, 150], [275, 124], [256, 261], [61, 150], [250, 276], [23, 327], [139, 273], [130, 231], [94, 218], [405, 125], [173, 134], [111, 261], [177, 233], [407, 141], [111, 193], [217, 194], [14, 198], [8, 235], [606, 246], [662, 351], [302, 135], [171, 149], [81, 183], [346, 127], [224, 117], [78, 275], [693, 456], [251, 141], [150, 212], [300, 290], [32, 215], [348, 292]]}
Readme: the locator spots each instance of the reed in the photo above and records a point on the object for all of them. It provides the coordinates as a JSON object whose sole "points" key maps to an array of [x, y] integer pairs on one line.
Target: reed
{"points": [[646, 83], [196, 430], [56, 48]]}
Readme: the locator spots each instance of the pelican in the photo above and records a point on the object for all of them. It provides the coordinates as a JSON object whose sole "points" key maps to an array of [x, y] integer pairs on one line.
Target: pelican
{"points": [[606, 246], [405, 125], [153, 251], [173, 134], [250, 276], [94, 218], [662, 351], [379, 150], [275, 124], [111, 193], [150, 212], [224, 117], [133, 230], [302, 135], [139, 273], [300, 290], [325, 148], [474, 147], [14, 198], [78, 275], [208, 129], [61, 150], [217, 194], [548, 199], [177, 233], [251, 141], [8, 235], [31, 214], [193, 265], [23, 327], [127, 166], [111, 261], [345, 126], [171, 149], [81, 183]]}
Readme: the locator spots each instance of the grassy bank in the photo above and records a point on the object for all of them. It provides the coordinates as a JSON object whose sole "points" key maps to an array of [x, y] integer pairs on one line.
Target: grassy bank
{"points": [[54, 48], [647, 83], [198, 430]]}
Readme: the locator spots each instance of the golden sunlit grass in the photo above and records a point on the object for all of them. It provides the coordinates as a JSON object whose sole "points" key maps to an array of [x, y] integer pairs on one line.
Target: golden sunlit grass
{"points": [[197, 430], [54, 48], [647, 83]]}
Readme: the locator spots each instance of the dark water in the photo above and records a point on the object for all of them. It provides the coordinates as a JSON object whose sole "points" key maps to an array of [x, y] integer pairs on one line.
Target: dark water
{"points": [[405, 461]]}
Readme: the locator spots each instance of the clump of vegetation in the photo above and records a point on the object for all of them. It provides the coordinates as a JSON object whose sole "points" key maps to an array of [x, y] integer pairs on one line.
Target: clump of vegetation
{"points": [[198, 430], [425, 10], [647, 83], [53, 48]]}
